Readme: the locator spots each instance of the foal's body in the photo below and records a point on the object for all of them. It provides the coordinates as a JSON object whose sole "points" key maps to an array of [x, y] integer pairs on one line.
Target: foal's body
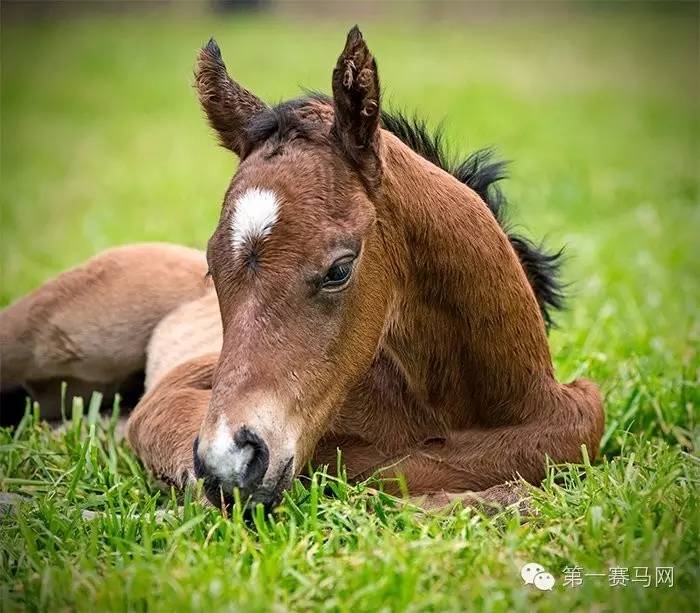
{"points": [[423, 411], [442, 375]]}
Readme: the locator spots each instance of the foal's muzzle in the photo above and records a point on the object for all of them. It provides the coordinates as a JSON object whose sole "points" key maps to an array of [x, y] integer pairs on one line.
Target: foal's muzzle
{"points": [[243, 464]]}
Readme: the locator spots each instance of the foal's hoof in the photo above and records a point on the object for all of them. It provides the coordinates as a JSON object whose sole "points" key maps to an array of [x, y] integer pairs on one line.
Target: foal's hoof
{"points": [[490, 502]]}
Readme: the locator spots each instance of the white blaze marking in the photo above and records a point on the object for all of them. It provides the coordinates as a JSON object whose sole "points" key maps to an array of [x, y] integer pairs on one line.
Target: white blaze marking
{"points": [[219, 447], [255, 214], [266, 417], [222, 456]]}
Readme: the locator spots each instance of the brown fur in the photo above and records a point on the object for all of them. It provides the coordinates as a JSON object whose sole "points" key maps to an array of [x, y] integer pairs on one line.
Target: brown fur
{"points": [[432, 363], [90, 325]]}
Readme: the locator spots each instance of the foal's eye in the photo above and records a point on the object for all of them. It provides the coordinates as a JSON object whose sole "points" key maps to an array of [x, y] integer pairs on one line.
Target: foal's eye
{"points": [[338, 274]]}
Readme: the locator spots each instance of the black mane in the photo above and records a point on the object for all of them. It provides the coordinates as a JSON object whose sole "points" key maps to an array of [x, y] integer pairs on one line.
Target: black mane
{"points": [[480, 172]]}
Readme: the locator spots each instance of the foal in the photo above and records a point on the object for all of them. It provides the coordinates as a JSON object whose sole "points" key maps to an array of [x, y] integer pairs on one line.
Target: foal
{"points": [[369, 301]]}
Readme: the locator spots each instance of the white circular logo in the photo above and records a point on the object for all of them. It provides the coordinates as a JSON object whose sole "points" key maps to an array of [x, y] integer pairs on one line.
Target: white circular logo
{"points": [[544, 581], [536, 574], [529, 571]]}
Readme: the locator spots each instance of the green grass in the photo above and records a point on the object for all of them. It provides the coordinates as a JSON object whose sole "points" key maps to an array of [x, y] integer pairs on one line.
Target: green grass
{"points": [[103, 143]]}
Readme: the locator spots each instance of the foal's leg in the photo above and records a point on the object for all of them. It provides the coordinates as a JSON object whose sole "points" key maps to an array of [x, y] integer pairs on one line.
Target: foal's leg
{"points": [[479, 466], [163, 426], [91, 324], [182, 354]]}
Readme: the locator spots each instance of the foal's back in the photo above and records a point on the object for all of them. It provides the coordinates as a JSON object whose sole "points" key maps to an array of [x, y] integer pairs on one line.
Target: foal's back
{"points": [[91, 325]]}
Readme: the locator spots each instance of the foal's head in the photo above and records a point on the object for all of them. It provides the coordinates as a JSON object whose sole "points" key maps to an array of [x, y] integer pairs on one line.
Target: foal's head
{"points": [[297, 263]]}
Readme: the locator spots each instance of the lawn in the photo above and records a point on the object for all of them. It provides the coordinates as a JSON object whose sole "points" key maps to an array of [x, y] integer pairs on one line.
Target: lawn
{"points": [[103, 144]]}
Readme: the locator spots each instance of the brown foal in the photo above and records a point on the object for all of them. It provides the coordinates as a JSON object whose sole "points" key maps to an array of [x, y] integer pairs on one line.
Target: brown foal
{"points": [[369, 301]]}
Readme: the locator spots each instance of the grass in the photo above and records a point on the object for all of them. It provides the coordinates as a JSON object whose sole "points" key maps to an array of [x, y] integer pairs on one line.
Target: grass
{"points": [[102, 144]]}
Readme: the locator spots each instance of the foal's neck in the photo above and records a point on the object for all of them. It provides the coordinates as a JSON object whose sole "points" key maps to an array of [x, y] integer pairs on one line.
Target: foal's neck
{"points": [[465, 326]]}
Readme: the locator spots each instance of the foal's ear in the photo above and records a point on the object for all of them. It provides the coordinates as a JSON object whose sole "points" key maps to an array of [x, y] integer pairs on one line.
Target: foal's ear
{"points": [[229, 107], [356, 102]]}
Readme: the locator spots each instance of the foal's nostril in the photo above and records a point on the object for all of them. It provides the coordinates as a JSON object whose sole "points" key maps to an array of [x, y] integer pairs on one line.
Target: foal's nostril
{"points": [[255, 458], [239, 462]]}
